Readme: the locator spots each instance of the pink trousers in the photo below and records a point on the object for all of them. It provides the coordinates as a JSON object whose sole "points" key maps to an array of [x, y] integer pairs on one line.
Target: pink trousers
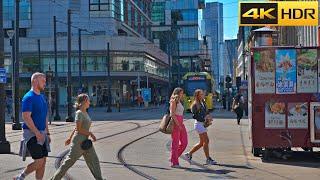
{"points": [[179, 141]]}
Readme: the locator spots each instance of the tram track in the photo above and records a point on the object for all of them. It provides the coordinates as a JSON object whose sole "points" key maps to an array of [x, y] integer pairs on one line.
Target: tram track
{"points": [[63, 154]]}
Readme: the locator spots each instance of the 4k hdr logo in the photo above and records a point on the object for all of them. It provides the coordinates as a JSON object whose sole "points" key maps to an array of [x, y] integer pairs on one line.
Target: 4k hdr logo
{"points": [[283, 13]]}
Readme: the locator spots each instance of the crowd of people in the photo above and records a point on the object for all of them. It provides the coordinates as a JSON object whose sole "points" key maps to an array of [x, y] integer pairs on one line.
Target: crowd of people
{"points": [[36, 135]]}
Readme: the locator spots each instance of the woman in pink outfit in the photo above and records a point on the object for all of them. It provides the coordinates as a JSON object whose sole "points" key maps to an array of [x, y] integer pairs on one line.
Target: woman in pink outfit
{"points": [[179, 134]]}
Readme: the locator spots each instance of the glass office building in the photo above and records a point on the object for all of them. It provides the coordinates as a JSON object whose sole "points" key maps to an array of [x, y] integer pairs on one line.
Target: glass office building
{"points": [[125, 24]]}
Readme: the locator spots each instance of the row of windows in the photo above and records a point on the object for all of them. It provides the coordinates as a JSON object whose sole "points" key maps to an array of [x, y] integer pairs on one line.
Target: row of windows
{"points": [[91, 64], [8, 10], [189, 44], [158, 12], [188, 32], [137, 21]]}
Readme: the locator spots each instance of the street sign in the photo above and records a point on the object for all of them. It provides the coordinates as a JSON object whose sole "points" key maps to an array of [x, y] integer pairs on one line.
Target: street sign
{"points": [[3, 76], [146, 94]]}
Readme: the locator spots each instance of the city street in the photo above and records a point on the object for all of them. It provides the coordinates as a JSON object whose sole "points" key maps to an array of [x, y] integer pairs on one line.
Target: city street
{"points": [[130, 147]]}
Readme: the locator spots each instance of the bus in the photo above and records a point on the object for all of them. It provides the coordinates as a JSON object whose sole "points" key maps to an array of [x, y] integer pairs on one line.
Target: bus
{"points": [[198, 80]]}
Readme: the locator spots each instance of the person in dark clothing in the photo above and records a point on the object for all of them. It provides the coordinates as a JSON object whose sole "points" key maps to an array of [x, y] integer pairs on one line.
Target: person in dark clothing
{"points": [[237, 106]]}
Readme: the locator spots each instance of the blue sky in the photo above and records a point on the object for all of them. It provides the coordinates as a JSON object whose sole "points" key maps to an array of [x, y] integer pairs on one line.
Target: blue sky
{"points": [[230, 20]]}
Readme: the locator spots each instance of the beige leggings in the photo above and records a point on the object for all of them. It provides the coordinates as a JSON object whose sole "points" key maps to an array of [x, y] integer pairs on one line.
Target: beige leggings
{"points": [[90, 156]]}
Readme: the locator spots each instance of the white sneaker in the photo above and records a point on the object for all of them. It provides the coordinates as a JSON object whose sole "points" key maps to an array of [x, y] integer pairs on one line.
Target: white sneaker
{"points": [[211, 161], [188, 157]]}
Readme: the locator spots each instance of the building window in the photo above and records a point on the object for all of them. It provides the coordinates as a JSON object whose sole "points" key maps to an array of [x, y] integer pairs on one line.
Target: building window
{"points": [[185, 15], [8, 10], [188, 32], [158, 12], [189, 44]]}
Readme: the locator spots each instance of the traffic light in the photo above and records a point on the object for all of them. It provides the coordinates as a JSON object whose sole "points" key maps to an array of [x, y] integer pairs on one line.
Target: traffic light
{"points": [[228, 82]]}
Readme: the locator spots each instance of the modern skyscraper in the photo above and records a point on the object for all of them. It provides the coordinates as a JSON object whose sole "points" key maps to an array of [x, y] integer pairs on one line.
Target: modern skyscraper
{"points": [[230, 47], [176, 30], [213, 24]]}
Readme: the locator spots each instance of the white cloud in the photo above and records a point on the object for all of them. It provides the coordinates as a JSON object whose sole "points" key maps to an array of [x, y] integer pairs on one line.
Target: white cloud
{"points": [[226, 37]]}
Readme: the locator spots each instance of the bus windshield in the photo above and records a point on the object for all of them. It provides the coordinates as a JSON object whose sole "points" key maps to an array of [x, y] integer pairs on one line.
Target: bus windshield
{"points": [[191, 86]]}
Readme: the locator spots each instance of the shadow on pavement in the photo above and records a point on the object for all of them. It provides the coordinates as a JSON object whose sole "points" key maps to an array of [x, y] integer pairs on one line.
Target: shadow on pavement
{"points": [[211, 171], [298, 158], [13, 170], [234, 166]]}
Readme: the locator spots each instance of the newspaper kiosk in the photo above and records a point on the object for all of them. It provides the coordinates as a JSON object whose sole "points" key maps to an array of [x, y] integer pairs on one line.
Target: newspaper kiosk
{"points": [[284, 108]]}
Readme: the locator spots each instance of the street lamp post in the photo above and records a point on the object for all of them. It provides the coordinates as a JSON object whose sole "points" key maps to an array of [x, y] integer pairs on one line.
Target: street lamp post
{"points": [[49, 75], [80, 63], [56, 78], [10, 34], [16, 124], [69, 117], [109, 78], [4, 144]]}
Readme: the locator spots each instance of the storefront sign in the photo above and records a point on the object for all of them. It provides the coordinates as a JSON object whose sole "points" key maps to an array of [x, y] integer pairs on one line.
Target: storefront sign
{"points": [[286, 71]]}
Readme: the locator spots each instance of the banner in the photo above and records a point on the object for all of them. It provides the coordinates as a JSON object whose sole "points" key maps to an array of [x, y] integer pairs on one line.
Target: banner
{"points": [[275, 116], [298, 115], [264, 71], [286, 71], [307, 70]]}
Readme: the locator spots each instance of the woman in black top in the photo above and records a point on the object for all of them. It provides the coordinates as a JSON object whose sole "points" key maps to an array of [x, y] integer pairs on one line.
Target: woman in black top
{"points": [[199, 112]]}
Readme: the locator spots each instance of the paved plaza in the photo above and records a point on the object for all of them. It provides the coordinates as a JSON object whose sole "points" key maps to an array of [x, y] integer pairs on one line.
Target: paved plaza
{"points": [[129, 147]]}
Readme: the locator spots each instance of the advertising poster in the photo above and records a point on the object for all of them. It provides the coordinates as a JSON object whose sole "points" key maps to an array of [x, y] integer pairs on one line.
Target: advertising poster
{"points": [[298, 115], [275, 115], [319, 74], [307, 71], [286, 71], [317, 122], [264, 71]]}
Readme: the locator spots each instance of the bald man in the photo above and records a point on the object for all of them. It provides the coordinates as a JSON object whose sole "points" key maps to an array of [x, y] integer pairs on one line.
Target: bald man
{"points": [[36, 136]]}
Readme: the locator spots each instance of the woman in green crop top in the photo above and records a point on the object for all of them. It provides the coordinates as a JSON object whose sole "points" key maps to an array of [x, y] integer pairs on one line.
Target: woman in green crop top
{"points": [[79, 134]]}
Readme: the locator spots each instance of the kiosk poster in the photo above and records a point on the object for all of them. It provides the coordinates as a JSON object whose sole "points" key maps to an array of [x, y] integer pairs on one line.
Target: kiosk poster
{"points": [[275, 115], [298, 115], [319, 73], [317, 122], [307, 70], [264, 71], [286, 71]]}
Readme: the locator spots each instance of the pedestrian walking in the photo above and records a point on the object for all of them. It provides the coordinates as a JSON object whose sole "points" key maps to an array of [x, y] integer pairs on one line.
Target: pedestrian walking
{"points": [[36, 136], [179, 134], [237, 106], [200, 113], [80, 144], [53, 106], [140, 100]]}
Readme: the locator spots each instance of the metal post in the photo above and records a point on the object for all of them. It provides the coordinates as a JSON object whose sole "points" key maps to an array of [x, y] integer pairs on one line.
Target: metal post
{"points": [[50, 98], [39, 51], [69, 118], [16, 124], [12, 68], [80, 63], [147, 80], [169, 62], [56, 78], [109, 78], [4, 144], [243, 54]]}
